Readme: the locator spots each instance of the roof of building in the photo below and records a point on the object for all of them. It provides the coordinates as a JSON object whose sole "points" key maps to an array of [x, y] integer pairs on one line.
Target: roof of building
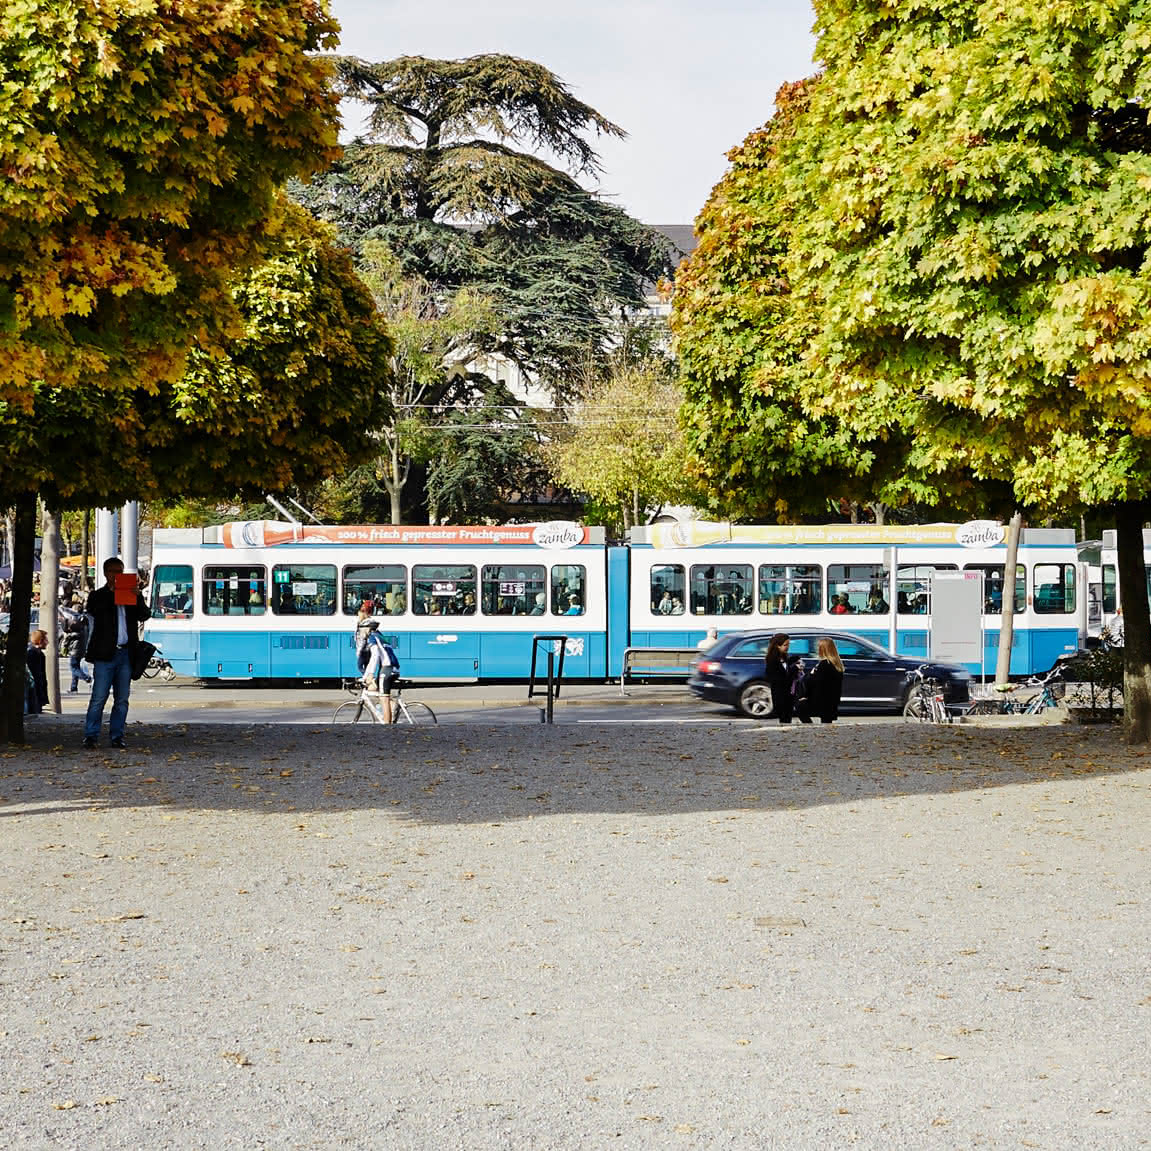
{"points": [[682, 237]]}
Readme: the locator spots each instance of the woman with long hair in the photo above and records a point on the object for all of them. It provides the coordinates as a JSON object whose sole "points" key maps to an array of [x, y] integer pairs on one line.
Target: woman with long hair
{"points": [[778, 676], [824, 685]]}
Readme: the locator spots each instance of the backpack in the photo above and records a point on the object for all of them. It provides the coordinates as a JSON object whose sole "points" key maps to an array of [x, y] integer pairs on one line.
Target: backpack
{"points": [[391, 660]]}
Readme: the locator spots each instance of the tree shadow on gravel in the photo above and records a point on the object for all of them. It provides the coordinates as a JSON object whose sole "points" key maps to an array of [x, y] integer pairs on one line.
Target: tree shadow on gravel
{"points": [[457, 774]]}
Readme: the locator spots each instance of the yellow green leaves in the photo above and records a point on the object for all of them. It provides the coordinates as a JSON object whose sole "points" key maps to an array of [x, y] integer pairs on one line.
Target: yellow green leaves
{"points": [[141, 146], [973, 250], [624, 447]]}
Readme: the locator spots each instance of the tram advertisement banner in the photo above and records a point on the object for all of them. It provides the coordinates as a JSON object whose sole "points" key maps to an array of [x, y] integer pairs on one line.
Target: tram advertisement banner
{"points": [[268, 533], [699, 533]]}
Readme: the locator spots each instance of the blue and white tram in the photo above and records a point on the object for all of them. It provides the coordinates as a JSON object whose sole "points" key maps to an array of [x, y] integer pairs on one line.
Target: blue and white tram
{"points": [[1107, 572], [275, 600], [873, 581]]}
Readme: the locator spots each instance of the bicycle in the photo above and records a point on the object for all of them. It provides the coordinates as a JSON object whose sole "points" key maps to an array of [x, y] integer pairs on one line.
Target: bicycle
{"points": [[1046, 697], [367, 707], [925, 701]]}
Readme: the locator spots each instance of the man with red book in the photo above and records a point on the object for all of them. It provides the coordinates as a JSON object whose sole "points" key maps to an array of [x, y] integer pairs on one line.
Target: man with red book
{"points": [[117, 609]]}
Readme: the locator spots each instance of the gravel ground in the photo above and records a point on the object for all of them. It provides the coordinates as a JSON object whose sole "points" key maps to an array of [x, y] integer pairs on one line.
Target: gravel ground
{"points": [[740, 937]]}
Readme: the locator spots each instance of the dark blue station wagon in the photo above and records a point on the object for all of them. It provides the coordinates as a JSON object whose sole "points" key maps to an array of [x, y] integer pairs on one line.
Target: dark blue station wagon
{"points": [[731, 672]]}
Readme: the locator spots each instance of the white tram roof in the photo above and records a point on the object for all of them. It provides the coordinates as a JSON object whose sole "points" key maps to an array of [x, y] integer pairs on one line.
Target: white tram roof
{"points": [[977, 533], [555, 536], [1111, 539]]}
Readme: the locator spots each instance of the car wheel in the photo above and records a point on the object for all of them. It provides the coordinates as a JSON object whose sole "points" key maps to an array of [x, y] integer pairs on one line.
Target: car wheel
{"points": [[755, 700]]}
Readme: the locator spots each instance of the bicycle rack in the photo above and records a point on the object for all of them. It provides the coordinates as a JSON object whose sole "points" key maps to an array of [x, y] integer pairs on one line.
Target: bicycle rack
{"points": [[554, 675]]}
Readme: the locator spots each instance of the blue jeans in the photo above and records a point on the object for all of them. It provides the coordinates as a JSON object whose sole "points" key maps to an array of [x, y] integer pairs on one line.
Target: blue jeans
{"points": [[113, 675], [78, 672]]}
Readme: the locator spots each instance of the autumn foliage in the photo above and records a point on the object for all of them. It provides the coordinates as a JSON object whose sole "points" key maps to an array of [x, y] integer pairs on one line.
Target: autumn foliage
{"points": [[140, 145]]}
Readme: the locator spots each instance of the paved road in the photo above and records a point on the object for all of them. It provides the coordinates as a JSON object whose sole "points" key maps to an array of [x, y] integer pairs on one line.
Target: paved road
{"points": [[186, 701]]}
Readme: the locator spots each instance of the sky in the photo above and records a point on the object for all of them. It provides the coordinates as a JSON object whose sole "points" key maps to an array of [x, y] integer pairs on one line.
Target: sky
{"points": [[687, 79]]}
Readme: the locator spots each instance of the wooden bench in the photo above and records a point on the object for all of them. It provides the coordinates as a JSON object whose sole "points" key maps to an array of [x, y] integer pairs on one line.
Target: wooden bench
{"points": [[656, 663]]}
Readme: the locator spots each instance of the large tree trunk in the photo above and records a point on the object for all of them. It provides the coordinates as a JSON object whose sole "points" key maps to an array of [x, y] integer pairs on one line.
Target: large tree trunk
{"points": [[1129, 519], [15, 662], [49, 603]]}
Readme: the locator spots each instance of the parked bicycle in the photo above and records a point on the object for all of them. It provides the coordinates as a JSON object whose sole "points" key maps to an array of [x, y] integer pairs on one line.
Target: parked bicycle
{"points": [[925, 701], [1004, 701], [367, 707]]}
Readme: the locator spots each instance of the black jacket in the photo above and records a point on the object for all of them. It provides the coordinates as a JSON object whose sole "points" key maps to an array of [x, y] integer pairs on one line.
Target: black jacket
{"points": [[824, 687], [105, 623], [38, 667], [778, 676]]}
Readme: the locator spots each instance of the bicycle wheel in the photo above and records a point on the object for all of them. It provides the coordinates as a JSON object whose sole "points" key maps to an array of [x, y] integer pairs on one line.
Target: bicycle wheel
{"points": [[986, 707], [351, 712], [418, 713], [917, 707]]}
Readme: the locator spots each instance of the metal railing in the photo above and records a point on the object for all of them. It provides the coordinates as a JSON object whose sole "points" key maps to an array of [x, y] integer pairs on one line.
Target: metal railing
{"points": [[555, 675], [656, 663]]}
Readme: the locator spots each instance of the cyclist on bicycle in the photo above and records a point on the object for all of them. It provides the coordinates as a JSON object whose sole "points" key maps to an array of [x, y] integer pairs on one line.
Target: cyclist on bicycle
{"points": [[383, 668]]}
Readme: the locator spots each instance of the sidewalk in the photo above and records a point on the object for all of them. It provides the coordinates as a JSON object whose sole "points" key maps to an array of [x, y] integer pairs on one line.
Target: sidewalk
{"points": [[737, 937], [450, 694], [280, 693]]}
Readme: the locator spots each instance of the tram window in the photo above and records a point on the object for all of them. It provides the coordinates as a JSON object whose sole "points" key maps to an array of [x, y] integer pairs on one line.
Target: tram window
{"points": [[569, 589], [993, 587], [235, 590], [383, 586], [1111, 587], [510, 589], [913, 586], [172, 591], [1054, 589], [790, 589], [857, 588], [721, 589], [444, 589], [304, 589], [667, 589]]}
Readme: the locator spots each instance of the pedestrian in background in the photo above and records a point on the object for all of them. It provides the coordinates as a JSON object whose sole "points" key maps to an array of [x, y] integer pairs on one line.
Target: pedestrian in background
{"points": [[78, 628], [37, 672]]}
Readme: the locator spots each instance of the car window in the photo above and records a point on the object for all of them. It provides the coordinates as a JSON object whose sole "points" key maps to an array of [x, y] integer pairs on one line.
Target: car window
{"points": [[751, 648], [849, 649]]}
